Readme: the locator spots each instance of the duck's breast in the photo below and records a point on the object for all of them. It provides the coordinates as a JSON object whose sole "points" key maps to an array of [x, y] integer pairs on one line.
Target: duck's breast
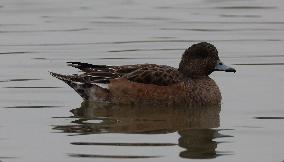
{"points": [[204, 91]]}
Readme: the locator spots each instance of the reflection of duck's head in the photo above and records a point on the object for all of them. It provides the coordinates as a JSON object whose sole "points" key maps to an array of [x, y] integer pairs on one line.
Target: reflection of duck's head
{"points": [[198, 143], [202, 59], [201, 143]]}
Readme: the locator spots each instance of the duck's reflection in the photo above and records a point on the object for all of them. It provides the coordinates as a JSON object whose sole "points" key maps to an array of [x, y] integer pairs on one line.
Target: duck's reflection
{"points": [[194, 125], [198, 143]]}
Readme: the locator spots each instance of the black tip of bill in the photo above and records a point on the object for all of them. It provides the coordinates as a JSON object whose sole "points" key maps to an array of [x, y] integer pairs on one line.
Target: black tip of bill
{"points": [[230, 70]]}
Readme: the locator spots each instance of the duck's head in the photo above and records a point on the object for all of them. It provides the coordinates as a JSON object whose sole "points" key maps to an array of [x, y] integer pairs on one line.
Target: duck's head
{"points": [[202, 59]]}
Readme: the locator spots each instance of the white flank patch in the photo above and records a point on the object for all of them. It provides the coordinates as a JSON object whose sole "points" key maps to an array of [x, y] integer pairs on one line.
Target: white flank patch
{"points": [[102, 85]]}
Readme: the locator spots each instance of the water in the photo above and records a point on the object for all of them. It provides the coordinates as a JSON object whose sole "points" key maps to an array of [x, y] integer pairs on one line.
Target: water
{"points": [[36, 123]]}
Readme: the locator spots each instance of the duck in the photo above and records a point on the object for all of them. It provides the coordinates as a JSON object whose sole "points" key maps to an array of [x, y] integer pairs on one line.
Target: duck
{"points": [[152, 84]]}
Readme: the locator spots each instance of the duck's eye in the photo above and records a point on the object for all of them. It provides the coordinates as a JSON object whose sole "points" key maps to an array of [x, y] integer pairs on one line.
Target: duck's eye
{"points": [[220, 63]]}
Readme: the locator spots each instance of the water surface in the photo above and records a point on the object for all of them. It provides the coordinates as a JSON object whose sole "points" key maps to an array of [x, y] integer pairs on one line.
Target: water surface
{"points": [[42, 119]]}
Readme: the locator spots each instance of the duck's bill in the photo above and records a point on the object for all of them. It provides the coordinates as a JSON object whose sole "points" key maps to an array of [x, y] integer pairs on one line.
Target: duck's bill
{"points": [[220, 66]]}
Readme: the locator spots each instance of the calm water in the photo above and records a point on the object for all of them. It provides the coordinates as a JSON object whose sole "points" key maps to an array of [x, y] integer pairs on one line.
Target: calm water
{"points": [[42, 119]]}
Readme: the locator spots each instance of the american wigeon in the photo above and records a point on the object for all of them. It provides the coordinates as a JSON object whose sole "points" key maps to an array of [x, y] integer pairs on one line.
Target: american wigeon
{"points": [[151, 84]]}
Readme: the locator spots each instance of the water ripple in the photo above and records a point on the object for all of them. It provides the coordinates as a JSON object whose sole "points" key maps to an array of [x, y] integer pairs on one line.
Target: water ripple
{"points": [[33, 107], [269, 117], [145, 41], [230, 22], [112, 156], [222, 30], [134, 50], [247, 7], [246, 16], [41, 31], [254, 56], [136, 58], [33, 87], [18, 80], [9, 53], [260, 64], [123, 144]]}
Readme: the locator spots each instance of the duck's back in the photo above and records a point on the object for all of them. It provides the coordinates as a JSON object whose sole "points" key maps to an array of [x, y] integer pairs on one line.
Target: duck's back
{"points": [[160, 75]]}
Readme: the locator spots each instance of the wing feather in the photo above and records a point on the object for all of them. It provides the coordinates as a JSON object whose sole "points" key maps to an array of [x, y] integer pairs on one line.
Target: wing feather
{"points": [[142, 73], [158, 75]]}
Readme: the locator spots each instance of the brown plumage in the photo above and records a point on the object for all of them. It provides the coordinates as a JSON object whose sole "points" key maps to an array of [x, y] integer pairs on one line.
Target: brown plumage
{"points": [[152, 84]]}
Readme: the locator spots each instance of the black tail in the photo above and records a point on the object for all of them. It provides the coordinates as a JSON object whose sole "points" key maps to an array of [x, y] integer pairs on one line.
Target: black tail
{"points": [[90, 67], [87, 91]]}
